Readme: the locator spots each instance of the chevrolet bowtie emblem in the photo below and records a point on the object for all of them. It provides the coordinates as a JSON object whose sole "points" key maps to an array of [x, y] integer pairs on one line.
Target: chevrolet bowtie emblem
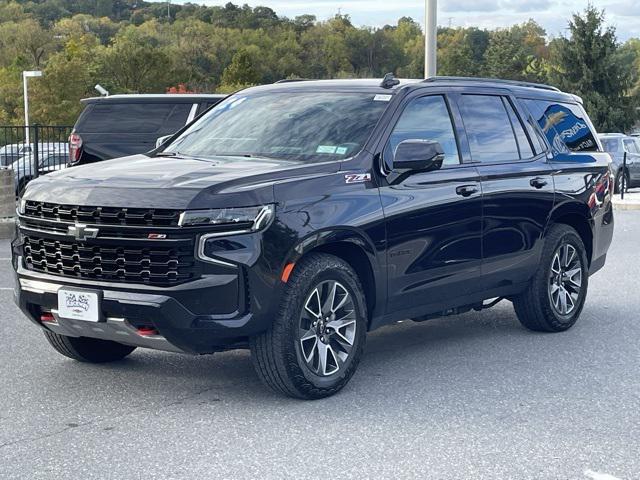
{"points": [[82, 232]]}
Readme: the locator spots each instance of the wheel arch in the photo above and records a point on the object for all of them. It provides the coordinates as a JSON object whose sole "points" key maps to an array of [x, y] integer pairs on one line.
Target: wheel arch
{"points": [[355, 249], [576, 216]]}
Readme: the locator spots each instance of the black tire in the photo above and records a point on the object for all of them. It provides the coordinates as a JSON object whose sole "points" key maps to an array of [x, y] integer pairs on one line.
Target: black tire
{"points": [[22, 184], [277, 353], [90, 350], [618, 184], [535, 306]]}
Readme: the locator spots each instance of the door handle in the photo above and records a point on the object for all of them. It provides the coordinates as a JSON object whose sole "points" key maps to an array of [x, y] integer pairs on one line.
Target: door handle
{"points": [[467, 190], [538, 183]]}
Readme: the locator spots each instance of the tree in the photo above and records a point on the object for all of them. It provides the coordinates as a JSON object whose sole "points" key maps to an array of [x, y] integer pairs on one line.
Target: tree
{"points": [[591, 64], [242, 70], [512, 52], [135, 62]]}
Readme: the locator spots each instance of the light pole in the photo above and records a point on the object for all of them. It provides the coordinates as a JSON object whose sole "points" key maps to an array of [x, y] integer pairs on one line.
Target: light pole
{"points": [[430, 38], [27, 74]]}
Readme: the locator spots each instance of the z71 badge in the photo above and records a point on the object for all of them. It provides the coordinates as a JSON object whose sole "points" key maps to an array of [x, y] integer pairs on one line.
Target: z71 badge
{"points": [[357, 177]]}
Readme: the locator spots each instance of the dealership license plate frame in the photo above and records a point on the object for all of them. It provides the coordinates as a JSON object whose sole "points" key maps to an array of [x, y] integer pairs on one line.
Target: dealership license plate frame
{"points": [[79, 304]]}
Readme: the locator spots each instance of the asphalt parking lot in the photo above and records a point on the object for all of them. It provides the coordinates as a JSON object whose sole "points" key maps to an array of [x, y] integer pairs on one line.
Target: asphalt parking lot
{"points": [[473, 396]]}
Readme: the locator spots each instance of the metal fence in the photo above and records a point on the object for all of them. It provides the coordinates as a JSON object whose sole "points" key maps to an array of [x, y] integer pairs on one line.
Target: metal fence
{"points": [[33, 151]]}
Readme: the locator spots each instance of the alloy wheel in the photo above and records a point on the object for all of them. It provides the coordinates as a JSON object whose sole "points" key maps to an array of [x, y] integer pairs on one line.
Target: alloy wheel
{"points": [[621, 182], [565, 279], [327, 328]]}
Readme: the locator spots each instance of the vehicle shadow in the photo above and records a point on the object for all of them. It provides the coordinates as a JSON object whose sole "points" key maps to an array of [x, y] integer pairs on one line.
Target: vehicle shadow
{"points": [[175, 378]]}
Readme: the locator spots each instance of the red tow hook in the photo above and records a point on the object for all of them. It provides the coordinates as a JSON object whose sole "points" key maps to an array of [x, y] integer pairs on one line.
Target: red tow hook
{"points": [[147, 331], [47, 317]]}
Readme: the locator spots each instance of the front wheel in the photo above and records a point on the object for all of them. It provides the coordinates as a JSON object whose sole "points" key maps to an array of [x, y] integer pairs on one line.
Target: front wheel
{"points": [[315, 343], [557, 292]]}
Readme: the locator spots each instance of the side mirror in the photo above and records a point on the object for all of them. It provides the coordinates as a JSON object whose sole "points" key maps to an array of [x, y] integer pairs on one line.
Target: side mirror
{"points": [[416, 155], [160, 141]]}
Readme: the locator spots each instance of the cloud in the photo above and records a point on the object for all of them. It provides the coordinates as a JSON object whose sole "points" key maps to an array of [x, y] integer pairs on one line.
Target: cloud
{"points": [[495, 6], [553, 15]]}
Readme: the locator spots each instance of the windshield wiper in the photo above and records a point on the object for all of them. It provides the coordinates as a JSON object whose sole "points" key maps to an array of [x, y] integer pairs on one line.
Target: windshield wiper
{"points": [[167, 154]]}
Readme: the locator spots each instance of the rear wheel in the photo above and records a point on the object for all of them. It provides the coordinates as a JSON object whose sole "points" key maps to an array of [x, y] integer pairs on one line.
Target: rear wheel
{"points": [[90, 350], [555, 298], [314, 345], [622, 181]]}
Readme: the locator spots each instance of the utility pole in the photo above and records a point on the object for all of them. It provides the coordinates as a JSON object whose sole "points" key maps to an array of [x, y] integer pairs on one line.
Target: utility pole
{"points": [[430, 38], [26, 75]]}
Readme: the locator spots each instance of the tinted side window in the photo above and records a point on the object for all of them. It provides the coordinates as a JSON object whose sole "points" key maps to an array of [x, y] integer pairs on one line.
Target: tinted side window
{"points": [[125, 118], [610, 145], [489, 130], [526, 151], [177, 118], [630, 146], [425, 118], [565, 126]]}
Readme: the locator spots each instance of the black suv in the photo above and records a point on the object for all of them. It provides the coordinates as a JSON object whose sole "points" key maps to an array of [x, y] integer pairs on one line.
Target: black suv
{"points": [[294, 218], [120, 125]]}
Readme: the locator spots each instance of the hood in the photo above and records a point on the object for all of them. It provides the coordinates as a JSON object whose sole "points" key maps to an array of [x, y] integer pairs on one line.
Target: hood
{"points": [[170, 182]]}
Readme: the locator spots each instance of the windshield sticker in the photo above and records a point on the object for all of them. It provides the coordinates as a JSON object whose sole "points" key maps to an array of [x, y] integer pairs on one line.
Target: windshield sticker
{"points": [[330, 149], [382, 98], [341, 150]]}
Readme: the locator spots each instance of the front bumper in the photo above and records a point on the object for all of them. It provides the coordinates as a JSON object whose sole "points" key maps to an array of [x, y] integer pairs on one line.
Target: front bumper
{"points": [[175, 313]]}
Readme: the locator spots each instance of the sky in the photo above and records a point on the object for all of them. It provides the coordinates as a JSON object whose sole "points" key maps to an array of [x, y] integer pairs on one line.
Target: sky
{"points": [[553, 15]]}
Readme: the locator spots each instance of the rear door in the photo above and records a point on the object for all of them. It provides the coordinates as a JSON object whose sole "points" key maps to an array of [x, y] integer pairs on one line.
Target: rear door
{"points": [[433, 219], [517, 185]]}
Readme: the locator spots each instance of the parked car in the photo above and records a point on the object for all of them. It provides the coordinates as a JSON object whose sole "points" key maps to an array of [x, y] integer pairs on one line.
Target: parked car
{"points": [[48, 161], [121, 125], [10, 153], [294, 218], [617, 144]]}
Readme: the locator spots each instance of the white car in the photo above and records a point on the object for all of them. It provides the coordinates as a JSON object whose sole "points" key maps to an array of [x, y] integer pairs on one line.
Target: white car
{"points": [[49, 161]]}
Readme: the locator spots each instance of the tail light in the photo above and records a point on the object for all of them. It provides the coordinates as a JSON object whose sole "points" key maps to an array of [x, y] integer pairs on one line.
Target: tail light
{"points": [[75, 147]]}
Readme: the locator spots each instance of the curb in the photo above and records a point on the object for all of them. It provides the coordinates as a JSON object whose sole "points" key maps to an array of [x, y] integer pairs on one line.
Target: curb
{"points": [[626, 205]]}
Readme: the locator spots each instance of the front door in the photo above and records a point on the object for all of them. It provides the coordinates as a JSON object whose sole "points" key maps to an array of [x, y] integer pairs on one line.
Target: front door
{"points": [[433, 219]]}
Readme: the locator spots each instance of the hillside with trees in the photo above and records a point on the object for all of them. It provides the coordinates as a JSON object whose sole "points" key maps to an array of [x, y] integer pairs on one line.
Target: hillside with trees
{"points": [[136, 46]]}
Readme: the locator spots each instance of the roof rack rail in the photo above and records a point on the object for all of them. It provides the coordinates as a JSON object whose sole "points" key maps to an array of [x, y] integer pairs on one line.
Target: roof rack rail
{"points": [[289, 80], [515, 83]]}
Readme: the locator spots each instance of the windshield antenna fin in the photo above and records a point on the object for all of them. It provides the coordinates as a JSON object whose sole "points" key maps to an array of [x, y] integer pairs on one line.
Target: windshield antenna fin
{"points": [[389, 81]]}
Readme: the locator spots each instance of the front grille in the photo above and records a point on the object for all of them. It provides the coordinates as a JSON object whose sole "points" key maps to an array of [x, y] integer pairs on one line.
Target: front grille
{"points": [[160, 265], [138, 217]]}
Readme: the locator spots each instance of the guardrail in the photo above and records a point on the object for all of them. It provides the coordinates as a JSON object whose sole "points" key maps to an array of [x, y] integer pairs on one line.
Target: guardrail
{"points": [[31, 151]]}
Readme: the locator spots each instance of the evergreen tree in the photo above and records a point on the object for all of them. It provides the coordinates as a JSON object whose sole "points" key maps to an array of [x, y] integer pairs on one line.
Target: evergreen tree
{"points": [[591, 64]]}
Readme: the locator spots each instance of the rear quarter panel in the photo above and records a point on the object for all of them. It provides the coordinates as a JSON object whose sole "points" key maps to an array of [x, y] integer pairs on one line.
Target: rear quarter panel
{"points": [[584, 185]]}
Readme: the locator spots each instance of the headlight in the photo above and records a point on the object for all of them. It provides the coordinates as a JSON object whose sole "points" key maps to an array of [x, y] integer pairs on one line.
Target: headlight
{"points": [[247, 219], [22, 206]]}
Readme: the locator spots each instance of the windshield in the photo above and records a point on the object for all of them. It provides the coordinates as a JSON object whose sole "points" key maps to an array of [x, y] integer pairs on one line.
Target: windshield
{"points": [[610, 145], [307, 127]]}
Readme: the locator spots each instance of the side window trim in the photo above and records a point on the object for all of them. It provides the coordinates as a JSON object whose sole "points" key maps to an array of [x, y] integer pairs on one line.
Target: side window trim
{"points": [[381, 146], [513, 127], [192, 113], [511, 105]]}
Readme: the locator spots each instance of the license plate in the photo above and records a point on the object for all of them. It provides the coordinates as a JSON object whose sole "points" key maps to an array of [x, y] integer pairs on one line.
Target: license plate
{"points": [[78, 305]]}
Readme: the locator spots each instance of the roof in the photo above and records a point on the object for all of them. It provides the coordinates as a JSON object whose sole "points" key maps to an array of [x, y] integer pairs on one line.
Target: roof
{"points": [[375, 85], [156, 98]]}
